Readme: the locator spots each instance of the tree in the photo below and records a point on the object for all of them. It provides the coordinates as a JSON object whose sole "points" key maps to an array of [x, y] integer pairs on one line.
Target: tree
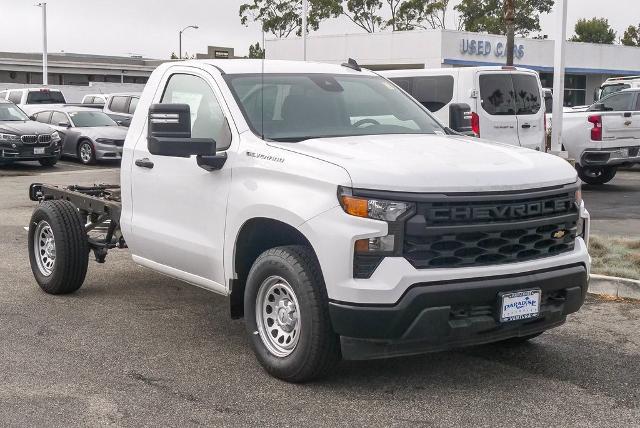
{"points": [[173, 55], [422, 14], [594, 30], [487, 16], [364, 13], [631, 36], [284, 17], [255, 51]]}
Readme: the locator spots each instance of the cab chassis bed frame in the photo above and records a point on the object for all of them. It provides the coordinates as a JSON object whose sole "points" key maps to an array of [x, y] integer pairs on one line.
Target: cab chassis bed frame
{"points": [[97, 211]]}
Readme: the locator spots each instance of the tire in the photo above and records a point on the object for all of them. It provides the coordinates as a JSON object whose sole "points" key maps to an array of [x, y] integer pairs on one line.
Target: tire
{"points": [[58, 247], [312, 348], [86, 152], [596, 174], [520, 340], [48, 162]]}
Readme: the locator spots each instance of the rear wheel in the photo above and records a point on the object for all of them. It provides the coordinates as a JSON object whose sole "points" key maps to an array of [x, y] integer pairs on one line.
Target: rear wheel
{"points": [[48, 162], [287, 315], [86, 153], [596, 174], [58, 247]]}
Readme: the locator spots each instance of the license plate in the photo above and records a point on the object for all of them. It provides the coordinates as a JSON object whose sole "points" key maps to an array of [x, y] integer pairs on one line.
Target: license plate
{"points": [[519, 305], [38, 150]]}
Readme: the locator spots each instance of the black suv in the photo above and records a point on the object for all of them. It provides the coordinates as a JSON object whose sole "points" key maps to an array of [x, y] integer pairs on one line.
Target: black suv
{"points": [[22, 139]]}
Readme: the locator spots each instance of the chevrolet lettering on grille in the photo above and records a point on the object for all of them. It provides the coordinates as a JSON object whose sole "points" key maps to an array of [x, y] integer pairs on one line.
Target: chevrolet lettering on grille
{"points": [[500, 212]]}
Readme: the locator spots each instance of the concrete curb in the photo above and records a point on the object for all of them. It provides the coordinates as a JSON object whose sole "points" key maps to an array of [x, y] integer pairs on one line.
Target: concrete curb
{"points": [[614, 286]]}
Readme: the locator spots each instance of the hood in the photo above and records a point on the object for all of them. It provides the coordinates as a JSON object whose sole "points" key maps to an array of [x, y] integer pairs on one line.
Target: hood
{"points": [[113, 132], [27, 127], [437, 163]]}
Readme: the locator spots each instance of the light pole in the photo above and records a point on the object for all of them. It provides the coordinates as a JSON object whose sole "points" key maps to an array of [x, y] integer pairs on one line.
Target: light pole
{"points": [[45, 72], [305, 11], [195, 27], [558, 76]]}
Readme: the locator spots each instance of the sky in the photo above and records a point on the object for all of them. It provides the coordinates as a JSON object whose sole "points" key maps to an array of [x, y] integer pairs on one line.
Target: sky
{"points": [[150, 27]]}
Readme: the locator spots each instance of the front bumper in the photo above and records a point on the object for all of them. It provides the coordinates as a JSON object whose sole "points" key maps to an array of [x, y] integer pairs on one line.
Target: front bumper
{"points": [[107, 151], [23, 152], [435, 316], [611, 156]]}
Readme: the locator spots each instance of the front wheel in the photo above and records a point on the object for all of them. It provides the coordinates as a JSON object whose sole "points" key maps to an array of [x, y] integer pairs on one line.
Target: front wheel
{"points": [[287, 315], [596, 174], [86, 153]]}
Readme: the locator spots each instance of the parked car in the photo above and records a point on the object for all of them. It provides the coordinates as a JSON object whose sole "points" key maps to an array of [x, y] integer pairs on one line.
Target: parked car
{"points": [[121, 107], [86, 133], [615, 84], [503, 104], [24, 140], [604, 136], [29, 99], [339, 217], [94, 99]]}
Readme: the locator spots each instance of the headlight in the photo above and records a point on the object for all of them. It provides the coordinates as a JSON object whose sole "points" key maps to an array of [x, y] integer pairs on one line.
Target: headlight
{"points": [[55, 137], [105, 141], [9, 137], [371, 208]]}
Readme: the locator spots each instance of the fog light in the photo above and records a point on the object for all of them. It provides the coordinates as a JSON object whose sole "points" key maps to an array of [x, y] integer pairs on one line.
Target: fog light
{"points": [[380, 244]]}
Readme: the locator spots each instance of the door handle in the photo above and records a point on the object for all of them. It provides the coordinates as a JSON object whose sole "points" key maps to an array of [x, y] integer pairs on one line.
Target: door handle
{"points": [[144, 163], [627, 114], [526, 126]]}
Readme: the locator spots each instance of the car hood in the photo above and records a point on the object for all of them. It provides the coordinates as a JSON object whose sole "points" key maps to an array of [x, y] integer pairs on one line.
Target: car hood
{"points": [[437, 163], [25, 128], [113, 132]]}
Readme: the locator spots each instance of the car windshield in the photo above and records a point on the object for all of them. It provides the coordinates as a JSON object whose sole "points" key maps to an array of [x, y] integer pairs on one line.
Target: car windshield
{"points": [[9, 112], [296, 107], [610, 89], [45, 97], [86, 119]]}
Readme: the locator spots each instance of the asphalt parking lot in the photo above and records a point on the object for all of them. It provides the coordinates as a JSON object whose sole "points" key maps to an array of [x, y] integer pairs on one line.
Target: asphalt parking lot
{"points": [[135, 348]]}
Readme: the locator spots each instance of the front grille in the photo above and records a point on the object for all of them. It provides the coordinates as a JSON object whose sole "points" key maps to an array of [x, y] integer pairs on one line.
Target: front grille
{"points": [[118, 143], [451, 232], [33, 139]]}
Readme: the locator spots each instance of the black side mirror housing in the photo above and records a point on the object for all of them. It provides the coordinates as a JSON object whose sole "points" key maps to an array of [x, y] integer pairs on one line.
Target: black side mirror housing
{"points": [[64, 124], [32, 117], [169, 133], [460, 118]]}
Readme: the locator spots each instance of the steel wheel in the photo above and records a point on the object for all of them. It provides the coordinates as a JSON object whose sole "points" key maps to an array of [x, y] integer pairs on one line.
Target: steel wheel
{"points": [[45, 246], [86, 153], [277, 316]]}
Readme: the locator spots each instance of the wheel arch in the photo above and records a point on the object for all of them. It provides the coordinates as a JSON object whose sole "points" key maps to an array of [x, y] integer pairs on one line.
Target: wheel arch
{"points": [[255, 236]]}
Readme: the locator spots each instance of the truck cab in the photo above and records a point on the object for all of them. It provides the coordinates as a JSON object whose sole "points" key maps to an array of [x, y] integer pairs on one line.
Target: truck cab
{"points": [[339, 217]]}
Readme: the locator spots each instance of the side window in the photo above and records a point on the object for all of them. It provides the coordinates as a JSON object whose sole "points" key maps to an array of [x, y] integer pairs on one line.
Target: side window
{"points": [[133, 104], [118, 104], [527, 93], [15, 97], [637, 104], [58, 117], [433, 92], [43, 116], [618, 102], [88, 100], [497, 94], [207, 118], [98, 100]]}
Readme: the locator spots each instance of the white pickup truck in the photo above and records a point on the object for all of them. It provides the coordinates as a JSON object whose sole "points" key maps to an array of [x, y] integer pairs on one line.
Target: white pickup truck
{"points": [[339, 217], [604, 136]]}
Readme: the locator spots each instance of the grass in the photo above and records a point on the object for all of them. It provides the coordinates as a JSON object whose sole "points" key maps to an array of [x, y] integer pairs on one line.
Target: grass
{"points": [[615, 256]]}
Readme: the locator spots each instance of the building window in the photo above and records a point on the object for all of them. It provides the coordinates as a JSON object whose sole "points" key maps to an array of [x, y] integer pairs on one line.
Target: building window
{"points": [[575, 88]]}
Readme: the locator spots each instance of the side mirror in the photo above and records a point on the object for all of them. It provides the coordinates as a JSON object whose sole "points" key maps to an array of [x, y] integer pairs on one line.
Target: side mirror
{"points": [[32, 117], [169, 133], [64, 124], [460, 118]]}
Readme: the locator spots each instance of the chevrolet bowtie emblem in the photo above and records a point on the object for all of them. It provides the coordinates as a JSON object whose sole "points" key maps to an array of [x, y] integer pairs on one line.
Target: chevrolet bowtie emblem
{"points": [[627, 123], [559, 234]]}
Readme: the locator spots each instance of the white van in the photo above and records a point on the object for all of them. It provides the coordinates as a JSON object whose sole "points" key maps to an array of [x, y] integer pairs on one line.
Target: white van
{"points": [[503, 104]]}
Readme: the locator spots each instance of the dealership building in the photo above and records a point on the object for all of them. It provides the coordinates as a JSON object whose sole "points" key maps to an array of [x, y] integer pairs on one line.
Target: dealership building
{"points": [[587, 64]]}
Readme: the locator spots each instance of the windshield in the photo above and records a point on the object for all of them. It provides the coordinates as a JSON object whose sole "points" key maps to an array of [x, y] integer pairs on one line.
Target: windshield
{"points": [[296, 107], [9, 112], [45, 97], [86, 119], [610, 89]]}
